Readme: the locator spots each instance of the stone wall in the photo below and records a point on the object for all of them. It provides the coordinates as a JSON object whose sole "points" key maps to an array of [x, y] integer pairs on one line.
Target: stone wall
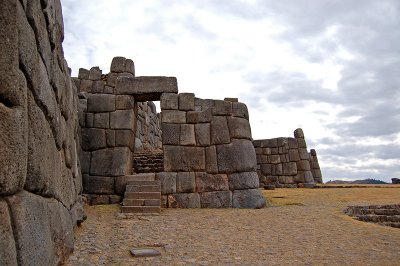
{"points": [[108, 121], [148, 129], [285, 162], [209, 159], [148, 162], [40, 179]]}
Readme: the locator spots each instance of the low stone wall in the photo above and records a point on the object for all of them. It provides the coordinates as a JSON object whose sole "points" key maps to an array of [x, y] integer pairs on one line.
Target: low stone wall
{"points": [[40, 179], [388, 215], [148, 162], [209, 159], [285, 162]]}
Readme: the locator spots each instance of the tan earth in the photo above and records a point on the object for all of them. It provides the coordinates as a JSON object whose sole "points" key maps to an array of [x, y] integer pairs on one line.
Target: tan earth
{"points": [[301, 227]]}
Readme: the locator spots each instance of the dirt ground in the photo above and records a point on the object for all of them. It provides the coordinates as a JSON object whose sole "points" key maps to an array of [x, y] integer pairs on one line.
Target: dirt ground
{"points": [[300, 227]]}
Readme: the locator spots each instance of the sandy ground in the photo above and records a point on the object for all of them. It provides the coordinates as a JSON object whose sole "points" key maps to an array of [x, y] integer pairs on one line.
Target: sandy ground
{"points": [[300, 227]]}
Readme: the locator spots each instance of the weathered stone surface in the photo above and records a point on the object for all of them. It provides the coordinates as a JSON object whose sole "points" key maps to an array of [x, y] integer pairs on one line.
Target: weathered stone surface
{"points": [[146, 88], [302, 143], [111, 162], [238, 156], [304, 155], [278, 169], [169, 101], [244, 180], [203, 104], [31, 225], [248, 198], [266, 169], [199, 116], [184, 200], [118, 64], [222, 108], [211, 182], [308, 177], [239, 128], [77, 212], [98, 86], [274, 159], [170, 134], [298, 133], [219, 130], [187, 136], [232, 100], [125, 138], [122, 119], [93, 139], [98, 184], [122, 181], [168, 182], [216, 199], [289, 168], [8, 252], [303, 165], [110, 138], [202, 132], [183, 158], [98, 103], [86, 85], [186, 101], [211, 159], [294, 155], [240, 110], [172, 116], [293, 143], [185, 182], [83, 73], [100, 199], [101, 120], [123, 102], [95, 73]]}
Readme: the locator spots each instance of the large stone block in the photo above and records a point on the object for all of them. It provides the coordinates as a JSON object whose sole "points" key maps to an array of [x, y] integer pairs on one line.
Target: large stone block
{"points": [[111, 162], [219, 130], [186, 101], [239, 128], [125, 138], [238, 156], [185, 182], [173, 116], [101, 120], [168, 182], [203, 104], [98, 184], [211, 159], [93, 139], [199, 116], [304, 155], [169, 101], [8, 252], [98, 103], [123, 102], [244, 180], [170, 133], [118, 64], [289, 168], [294, 155], [146, 88], [303, 165], [216, 199], [31, 225], [184, 200], [187, 136], [298, 133], [240, 110], [202, 132], [122, 119], [248, 198], [211, 182], [222, 108], [266, 169], [184, 159]]}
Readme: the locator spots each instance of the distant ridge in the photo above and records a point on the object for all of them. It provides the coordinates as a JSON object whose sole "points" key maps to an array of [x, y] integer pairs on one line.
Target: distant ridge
{"points": [[363, 181]]}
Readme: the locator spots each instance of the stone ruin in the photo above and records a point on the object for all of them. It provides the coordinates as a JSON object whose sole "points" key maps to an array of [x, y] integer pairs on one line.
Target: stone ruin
{"points": [[208, 159], [285, 162], [63, 137]]}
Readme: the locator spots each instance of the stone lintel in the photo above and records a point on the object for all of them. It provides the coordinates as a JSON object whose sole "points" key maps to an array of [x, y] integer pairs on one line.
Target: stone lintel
{"points": [[146, 88]]}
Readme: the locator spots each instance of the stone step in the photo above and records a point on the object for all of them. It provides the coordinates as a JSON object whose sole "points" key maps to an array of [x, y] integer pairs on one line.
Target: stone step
{"points": [[141, 209], [142, 195], [144, 183], [141, 202], [143, 188], [141, 177]]}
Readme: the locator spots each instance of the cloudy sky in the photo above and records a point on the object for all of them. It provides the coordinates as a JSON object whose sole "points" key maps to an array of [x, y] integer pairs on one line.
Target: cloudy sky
{"points": [[331, 67]]}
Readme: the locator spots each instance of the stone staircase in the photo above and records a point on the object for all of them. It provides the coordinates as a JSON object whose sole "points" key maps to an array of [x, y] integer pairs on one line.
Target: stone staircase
{"points": [[388, 215], [142, 196]]}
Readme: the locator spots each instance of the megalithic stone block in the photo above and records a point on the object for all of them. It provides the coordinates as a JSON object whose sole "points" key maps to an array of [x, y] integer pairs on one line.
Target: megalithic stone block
{"points": [[238, 156], [146, 88]]}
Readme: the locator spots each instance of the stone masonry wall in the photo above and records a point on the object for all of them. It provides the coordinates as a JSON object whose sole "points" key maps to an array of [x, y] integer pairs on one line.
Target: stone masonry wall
{"points": [[148, 129], [40, 178], [209, 159], [285, 162], [108, 124]]}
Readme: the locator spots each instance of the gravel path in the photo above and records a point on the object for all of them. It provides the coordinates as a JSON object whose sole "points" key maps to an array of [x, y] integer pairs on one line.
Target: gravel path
{"points": [[304, 232]]}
